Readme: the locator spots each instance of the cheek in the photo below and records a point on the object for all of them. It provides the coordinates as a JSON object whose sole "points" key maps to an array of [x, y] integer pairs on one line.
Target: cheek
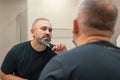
{"points": [[39, 32], [35, 34], [32, 33], [51, 34], [74, 37]]}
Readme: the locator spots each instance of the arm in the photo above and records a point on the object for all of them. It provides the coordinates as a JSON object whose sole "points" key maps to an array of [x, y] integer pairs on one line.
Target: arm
{"points": [[8, 67], [4, 76]]}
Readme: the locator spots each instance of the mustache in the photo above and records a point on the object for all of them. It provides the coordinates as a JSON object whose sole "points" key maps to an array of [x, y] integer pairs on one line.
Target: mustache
{"points": [[46, 43], [46, 35]]}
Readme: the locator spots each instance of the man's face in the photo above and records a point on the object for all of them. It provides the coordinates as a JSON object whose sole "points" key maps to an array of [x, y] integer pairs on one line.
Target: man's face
{"points": [[42, 30]]}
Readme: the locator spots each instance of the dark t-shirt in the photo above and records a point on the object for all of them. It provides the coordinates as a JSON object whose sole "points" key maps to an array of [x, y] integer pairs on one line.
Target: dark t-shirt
{"points": [[92, 61], [24, 61]]}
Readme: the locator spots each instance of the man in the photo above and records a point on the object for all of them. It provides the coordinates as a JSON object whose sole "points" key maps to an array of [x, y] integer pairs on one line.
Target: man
{"points": [[95, 58], [26, 60]]}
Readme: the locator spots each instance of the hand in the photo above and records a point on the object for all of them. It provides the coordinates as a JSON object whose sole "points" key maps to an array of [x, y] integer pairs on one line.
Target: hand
{"points": [[59, 48], [12, 77]]}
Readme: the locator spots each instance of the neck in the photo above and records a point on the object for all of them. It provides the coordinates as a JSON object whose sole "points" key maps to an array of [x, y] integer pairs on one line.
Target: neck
{"points": [[37, 46], [97, 38], [92, 39]]}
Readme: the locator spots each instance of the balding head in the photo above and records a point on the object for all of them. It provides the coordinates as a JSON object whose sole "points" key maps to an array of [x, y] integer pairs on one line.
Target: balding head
{"points": [[97, 15], [37, 21]]}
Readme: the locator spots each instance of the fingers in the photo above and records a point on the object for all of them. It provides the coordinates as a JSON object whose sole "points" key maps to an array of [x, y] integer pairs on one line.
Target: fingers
{"points": [[59, 48]]}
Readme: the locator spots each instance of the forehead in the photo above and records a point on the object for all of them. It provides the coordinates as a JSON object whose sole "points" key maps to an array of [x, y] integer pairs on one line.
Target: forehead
{"points": [[44, 23]]}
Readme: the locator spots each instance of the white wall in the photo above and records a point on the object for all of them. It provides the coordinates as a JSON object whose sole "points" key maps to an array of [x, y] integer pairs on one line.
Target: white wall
{"points": [[59, 12], [117, 27], [8, 28], [118, 41]]}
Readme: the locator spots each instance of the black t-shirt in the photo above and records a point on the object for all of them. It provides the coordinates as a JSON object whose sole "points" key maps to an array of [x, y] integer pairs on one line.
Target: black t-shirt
{"points": [[93, 61], [24, 61]]}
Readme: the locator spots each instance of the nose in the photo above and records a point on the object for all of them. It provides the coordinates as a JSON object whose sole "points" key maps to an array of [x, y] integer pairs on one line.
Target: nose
{"points": [[47, 31]]}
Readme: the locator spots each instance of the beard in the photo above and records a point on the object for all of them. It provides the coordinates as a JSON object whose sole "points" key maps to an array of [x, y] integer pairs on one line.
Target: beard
{"points": [[45, 38]]}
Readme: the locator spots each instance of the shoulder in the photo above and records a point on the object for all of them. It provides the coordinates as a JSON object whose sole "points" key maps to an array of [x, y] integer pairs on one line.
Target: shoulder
{"points": [[21, 45], [77, 53], [18, 47], [87, 51]]}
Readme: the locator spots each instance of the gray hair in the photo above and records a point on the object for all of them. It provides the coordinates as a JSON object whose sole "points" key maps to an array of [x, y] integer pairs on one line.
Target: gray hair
{"points": [[38, 19], [99, 14]]}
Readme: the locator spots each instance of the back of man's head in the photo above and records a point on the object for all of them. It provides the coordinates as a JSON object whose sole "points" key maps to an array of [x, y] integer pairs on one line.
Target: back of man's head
{"points": [[97, 14]]}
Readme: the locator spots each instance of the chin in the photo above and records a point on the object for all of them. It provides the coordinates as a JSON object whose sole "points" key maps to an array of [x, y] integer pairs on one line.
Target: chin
{"points": [[48, 40]]}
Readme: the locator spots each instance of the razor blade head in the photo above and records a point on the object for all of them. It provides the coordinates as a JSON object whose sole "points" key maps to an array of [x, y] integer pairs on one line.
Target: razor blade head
{"points": [[46, 43]]}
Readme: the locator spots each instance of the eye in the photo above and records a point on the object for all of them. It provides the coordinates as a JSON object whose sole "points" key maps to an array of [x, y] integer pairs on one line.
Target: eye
{"points": [[43, 28], [50, 30]]}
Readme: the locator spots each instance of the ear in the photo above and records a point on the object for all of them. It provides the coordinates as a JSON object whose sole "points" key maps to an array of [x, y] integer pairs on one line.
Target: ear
{"points": [[32, 32], [75, 27], [113, 31]]}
